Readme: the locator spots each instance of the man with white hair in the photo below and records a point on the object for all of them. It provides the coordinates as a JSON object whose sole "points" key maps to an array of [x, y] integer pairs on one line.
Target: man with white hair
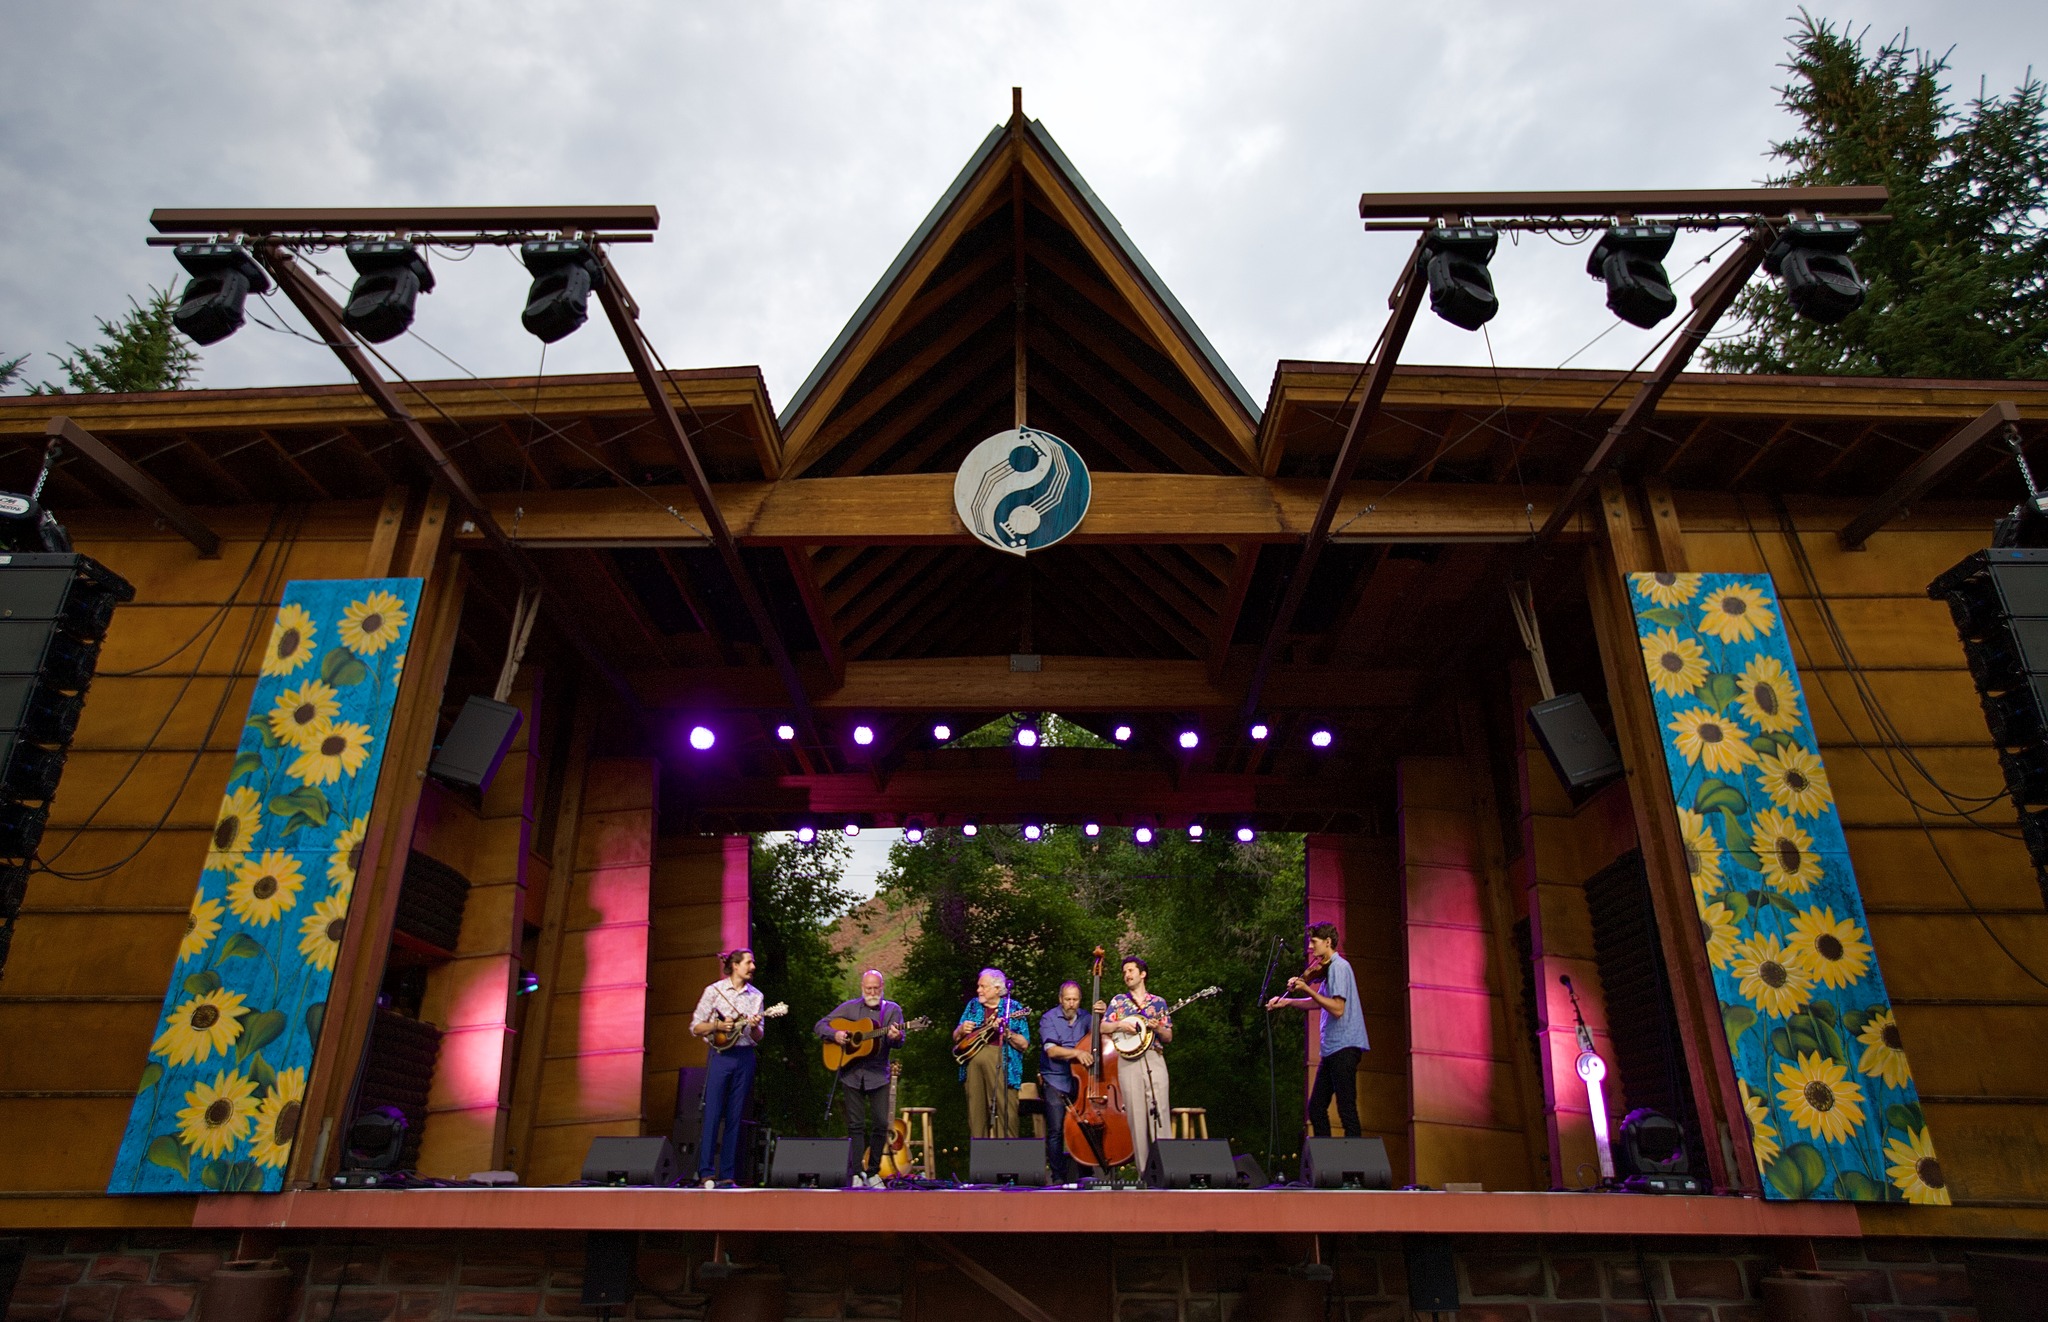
{"points": [[996, 1070], [864, 1080]]}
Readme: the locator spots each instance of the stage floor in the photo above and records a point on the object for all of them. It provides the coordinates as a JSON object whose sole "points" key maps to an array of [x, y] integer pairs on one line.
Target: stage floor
{"points": [[1026, 1211]]}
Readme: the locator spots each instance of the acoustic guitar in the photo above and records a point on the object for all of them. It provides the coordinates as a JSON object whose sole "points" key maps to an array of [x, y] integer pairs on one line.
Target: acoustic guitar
{"points": [[1135, 1042], [862, 1034], [725, 1032], [895, 1149]]}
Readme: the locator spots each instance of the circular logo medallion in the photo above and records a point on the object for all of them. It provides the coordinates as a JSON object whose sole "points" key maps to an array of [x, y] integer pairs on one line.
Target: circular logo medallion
{"points": [[1021, 490]]}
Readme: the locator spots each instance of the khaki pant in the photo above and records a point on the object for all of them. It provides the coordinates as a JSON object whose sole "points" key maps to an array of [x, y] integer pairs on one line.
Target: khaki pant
{"points": [[985, 1081], [1147, 1103]]}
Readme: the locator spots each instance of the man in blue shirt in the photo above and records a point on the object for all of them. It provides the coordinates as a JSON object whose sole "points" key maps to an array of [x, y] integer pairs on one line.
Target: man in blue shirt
{"points": [[1343, 1030], [1067, 1033]]}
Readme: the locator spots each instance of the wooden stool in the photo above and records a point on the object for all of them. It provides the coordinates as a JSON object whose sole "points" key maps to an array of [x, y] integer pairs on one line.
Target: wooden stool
{"points": [[1188, 1119], [918, 1147]]}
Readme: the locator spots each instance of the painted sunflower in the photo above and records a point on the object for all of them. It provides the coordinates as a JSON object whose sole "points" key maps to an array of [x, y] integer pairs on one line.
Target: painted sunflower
{"points": [[1771, 976], [301, 711], [347, 858], [372, 624], [320, 931], [1915, 1169], [1762, 1136], [1884, 1051], [1717, 929], [241, 812], [1819, 1097], [202, 925], [1736, 613], [1796, 781], [334, 749], [291, 641], [1714, 742], [1786, 852], [1677, 666], [1767, 695], [207, 1024], [263, 889], [1702, 854], [217, 1114], [1833, 948], [1667, 589], [277, 1119]]}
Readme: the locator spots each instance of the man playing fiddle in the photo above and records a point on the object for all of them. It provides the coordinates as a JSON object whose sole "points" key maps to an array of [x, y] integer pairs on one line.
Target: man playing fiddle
{"points": [[1342, 1029]]}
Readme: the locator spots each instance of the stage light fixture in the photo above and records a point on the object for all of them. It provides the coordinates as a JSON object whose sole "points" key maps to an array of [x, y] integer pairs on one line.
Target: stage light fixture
{"points": [[529, 982], [1322, 739], [1460, 288], [1811, 257], [1142, 834], [1032, 831], [806, 834], [1629, 260], [1122, 734], [852, 830], [1245, 835], [1189, 739], [1092, 829], [564, 273], [1195, 831], [863, 735], [1260, 731], [223, 276], [969, 829], [1027, 736], [702, 737], [913, 833], [785, 732], [942, 732], [390, 277]]}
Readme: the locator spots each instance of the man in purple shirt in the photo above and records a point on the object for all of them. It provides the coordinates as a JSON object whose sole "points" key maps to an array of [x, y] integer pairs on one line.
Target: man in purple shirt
{"points": [[864, 1083], [1067, 1032]]}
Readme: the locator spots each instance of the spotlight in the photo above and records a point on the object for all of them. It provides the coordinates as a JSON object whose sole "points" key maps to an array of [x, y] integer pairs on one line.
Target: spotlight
{"points": [[1245, 835], [702, 738], [1032, 831], [376, 1140], [969, 829], [1812, 258], [564, 273], [806, 834], [390, 277], [1321, 738], [1260, 731], [1092, 829], [1194, 830], [529, 983], [1460, 289], [1142, 834], [223, 275], [942, 732], [1188, 738], [1027, 736], [1654, 1159], [913, 833], [863, 735], [1122, 734], [852, 830], [1630, 260], [785, 732]]}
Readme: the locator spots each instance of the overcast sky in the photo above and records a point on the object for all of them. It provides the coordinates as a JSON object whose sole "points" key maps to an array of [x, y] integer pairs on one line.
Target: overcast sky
{"points": [[792, 148]]}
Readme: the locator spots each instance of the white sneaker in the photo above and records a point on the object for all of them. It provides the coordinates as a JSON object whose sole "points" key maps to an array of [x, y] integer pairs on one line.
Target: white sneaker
{"points": [[875, 1182], [710, 1184]]}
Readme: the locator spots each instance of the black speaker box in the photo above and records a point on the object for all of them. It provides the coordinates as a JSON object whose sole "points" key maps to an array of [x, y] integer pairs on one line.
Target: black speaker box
{"points": [[1574, 742], [688, 1127], [1346, 1163], [1007, 1161], [1191, 1163], [615, 1159], [470, 755], [611, 1267], [799, 1163], [1251, 1175], [1432, 1271]]}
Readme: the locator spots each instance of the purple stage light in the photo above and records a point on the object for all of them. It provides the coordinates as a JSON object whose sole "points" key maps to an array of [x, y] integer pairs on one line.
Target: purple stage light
{"points": [[1027, 737], [863, 735], [1188, 738], [1032, 831], [1194, 830], [785, 732], [1321, 738], [1122, 734], [701, 737], [969, 829], [1091, 829], [806, 834], [852, 830], [1143, 835], [1245, 835], [1260, 731], [942, 732]]}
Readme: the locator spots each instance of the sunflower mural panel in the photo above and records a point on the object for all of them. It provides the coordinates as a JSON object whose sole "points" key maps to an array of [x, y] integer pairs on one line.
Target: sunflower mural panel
{"points": [[1833, 1112], [225, 1079]]}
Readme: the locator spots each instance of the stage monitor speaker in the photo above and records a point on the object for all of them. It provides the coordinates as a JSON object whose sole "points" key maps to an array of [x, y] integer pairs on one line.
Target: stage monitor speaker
{"points": [[1250, 1175], [616, 1159], [1432, 1273], [688, 1125], [611, 1268], [1007, 1161], [1191, 1163], [807, 1163], [1574, 742], [1346, 1163], [470, 755]]}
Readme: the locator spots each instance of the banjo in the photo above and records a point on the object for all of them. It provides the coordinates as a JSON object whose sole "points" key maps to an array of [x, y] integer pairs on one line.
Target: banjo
{"points": [[1135, 1042]]}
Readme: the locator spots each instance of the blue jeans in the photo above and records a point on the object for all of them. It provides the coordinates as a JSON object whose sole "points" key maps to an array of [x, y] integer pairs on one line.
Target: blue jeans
{"points": [[725, 1104], [1056, 1104]]}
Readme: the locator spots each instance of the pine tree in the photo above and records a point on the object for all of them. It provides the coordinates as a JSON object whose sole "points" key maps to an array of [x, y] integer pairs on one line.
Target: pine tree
{"points": [[142, 352], [10, 368], [1957, 279]]}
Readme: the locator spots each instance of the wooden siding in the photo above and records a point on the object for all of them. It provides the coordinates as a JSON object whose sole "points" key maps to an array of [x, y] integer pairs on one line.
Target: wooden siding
{"points": [[693, 888], [1355, 882]]}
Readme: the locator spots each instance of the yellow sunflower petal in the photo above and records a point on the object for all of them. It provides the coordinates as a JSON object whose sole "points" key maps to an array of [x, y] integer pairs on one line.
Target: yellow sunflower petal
{"points": [[1768, 696], [1785, 852], [206, 1025], [1711, 740], [234, 827], [216, 1115], [372, 624], [1772, 977], [265, 888], [1915, 1170], [1736, 613], [292, 640], [1819, 1097], [277, 1119], [333, 750]]}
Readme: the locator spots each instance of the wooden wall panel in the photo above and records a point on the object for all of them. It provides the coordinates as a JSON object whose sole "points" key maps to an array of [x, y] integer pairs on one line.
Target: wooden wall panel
{"points": [[693, 877], [1355, 882]]}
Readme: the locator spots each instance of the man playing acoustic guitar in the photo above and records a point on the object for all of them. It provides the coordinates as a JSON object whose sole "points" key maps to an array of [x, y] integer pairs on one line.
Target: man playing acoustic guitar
{"points": [[864, 1079]]}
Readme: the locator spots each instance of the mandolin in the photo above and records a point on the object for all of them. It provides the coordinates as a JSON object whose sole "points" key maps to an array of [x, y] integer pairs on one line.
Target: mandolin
{"points": [[1135, 1042], [725, 1032], [862, 1035], [990, 1030]]}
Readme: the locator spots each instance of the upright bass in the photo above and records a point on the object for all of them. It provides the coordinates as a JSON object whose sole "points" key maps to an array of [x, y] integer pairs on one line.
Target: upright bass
{"points": [[1098, 1131]]}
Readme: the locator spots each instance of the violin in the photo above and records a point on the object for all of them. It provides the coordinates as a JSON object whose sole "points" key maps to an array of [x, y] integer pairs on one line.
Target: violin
{"points": [[1098, 1129], [1317, 970]]}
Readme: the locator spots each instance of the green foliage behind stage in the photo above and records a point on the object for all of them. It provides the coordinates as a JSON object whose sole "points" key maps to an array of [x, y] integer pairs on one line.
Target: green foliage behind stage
{"points": [[1201, 913]]}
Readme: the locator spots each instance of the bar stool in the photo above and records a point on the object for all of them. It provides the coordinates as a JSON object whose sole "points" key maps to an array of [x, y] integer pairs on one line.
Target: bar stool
{"points": [[1187, 1120], [918, 1146]]}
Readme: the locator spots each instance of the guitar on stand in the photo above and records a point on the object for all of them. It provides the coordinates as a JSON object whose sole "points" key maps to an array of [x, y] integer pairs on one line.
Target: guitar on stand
{"points": [[861, 1035], [725, 1032], [896, 1148], [1135, 1042]]}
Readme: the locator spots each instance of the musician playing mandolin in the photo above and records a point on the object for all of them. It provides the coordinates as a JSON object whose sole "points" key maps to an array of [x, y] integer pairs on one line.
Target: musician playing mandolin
{"points": [[993, 1078], [864, 1079], [732, 1000], [1066, 1033], [1329, 986], [1145, 1082]]}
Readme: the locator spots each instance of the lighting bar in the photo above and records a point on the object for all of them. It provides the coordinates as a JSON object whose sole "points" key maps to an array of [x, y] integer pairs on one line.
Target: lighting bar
{"points": [[1732, 203], [395, 220]]}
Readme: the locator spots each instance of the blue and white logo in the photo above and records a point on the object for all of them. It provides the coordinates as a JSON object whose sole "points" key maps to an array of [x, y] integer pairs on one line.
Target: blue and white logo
{"points": [[1021, 490]]}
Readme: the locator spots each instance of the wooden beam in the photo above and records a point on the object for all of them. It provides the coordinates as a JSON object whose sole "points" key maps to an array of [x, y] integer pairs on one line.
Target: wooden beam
{"points": [[146, 490], [384, 536], [1770, 202], [1234, 595], [971, 1267], [1915, 481], [392, 220], [820, 615], [1671, 556]]}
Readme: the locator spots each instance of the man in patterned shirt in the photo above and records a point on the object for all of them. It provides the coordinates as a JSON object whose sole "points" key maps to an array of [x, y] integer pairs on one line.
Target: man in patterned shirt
{"points": [[992, 1079], [1144, 1080], [733, 999]]}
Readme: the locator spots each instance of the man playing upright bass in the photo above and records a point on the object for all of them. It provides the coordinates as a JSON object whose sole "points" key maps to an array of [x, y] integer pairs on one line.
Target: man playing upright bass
{"points": [[1065, 1032], [864, 1080]]}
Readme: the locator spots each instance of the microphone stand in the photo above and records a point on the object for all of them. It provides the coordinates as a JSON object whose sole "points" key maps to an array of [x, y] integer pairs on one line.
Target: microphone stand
{"points": [[1272, 1067]]}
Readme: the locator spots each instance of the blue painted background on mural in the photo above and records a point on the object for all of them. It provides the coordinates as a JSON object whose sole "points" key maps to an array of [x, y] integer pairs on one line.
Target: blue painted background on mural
{"points": [[1833, 1113], [223, 1088]]}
